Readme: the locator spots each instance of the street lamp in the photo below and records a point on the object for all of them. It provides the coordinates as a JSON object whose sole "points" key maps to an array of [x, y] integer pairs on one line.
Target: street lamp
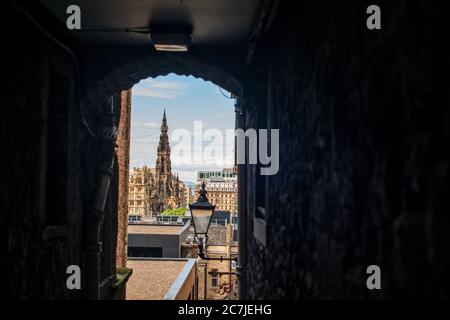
{"points": [[202, 212]]}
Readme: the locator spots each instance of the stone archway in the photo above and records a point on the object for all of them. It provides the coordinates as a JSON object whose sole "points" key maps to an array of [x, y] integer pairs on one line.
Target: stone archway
{"points": [[124, 76], [121, 79]]}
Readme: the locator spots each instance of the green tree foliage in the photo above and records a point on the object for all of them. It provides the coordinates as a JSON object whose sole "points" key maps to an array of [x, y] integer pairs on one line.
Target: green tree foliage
{"points": [[174, 212]]}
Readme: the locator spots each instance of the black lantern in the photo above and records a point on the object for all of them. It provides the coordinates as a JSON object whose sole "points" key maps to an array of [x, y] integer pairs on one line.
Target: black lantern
{"points": [[201, 212]]}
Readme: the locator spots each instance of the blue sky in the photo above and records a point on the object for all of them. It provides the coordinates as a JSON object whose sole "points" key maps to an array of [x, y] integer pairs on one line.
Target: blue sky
{"points": [[186, 99]]}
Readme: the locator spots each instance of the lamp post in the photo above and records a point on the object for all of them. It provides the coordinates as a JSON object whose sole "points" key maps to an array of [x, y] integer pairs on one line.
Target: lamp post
{"points": [[202, 212]]}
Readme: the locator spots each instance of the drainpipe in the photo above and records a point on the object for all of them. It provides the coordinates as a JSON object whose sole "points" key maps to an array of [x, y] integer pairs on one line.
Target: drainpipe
{"points": [[241, 268], [105, 143]]}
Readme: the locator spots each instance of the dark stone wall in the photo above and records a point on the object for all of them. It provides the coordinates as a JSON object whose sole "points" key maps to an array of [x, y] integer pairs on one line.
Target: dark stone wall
{"points": [[108, 70], [41, 206], [49, 162], [364, 158]]}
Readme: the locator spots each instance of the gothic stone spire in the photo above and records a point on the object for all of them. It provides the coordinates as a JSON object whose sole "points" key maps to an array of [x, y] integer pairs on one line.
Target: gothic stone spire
{"points": [[163, 165]]}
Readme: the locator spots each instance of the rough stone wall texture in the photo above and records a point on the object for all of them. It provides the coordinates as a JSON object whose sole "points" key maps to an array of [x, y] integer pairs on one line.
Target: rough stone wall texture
{"points": [[38, 239], [110, 70], [48, 176], [364, 165], [123, 157]]}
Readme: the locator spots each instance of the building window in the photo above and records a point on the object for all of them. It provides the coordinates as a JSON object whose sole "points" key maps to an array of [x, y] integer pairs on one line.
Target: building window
{"points": [[214, 278]]}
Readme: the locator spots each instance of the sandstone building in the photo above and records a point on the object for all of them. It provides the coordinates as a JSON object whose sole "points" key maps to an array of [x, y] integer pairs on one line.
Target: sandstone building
{"points": [[222, 188], [153, 190], [220, 282], [217, 278]]}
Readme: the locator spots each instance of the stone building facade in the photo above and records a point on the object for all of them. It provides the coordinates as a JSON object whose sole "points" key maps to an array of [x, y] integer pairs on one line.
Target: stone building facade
{"points": [[153, 190], [222, 188], [220, 282]]}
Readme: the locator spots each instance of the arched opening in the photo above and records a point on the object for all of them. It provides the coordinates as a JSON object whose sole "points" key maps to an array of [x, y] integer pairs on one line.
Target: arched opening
{"points": [[121, 80], [153, 65], [181, 135]]}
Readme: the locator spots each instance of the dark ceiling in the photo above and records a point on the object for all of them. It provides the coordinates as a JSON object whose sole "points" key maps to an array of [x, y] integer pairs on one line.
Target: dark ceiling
{"points": [[214, 22]]}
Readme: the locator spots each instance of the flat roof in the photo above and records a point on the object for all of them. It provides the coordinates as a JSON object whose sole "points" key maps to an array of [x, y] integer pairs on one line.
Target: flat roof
{"points": [[155, 229], [152, 279]]}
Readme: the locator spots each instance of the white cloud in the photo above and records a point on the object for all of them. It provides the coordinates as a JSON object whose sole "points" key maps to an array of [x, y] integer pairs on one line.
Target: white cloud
{"points": [[151, 125], [166, 85], [159, 89]]}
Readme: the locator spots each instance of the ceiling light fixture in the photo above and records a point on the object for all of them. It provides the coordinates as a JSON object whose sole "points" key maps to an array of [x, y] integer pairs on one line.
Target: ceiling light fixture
{"points": [[173, 42]]}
